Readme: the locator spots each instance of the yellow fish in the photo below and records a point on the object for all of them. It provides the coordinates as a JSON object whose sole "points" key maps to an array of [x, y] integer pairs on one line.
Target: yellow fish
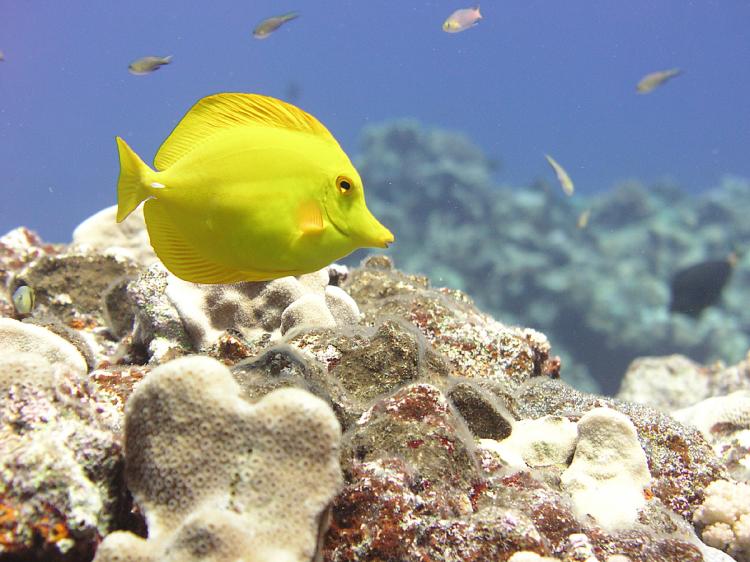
{"points": [[583, 219], [248, 188], [652, 81], [269, 25], [23, 300], [562, 176]]}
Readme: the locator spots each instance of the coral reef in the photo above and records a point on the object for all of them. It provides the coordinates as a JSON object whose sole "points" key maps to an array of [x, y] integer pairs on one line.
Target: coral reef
{"points": [[351, 414], [102, 233], [540, 442], [171, 314], [725, 517], [666, 383], [674, 381], [715, 399], [600, 293], [22, 337], [60, 466], [607, 438], [220, 479]]}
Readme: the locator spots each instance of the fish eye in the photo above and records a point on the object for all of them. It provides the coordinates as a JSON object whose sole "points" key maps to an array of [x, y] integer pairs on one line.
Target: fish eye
{"points": [[344, 184]]}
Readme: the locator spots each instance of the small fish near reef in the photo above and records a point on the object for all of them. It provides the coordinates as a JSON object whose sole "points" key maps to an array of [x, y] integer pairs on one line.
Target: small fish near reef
{"points": [[695, 288], [652, 81], [583, 219], [562, 176], [269, 25], [462, 19], [23, 300], [248, 188], [147, 65]]}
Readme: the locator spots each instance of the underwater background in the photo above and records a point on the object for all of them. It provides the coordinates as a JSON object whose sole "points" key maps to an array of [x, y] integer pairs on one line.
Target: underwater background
{"points": [[449, 132]]}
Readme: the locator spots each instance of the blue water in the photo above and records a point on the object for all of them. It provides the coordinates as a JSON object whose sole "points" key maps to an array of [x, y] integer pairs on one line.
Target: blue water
{"points": [[535, 76]]}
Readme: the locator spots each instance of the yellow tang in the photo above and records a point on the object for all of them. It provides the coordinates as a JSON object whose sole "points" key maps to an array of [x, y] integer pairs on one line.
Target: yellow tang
{"points": [[248, 188]]}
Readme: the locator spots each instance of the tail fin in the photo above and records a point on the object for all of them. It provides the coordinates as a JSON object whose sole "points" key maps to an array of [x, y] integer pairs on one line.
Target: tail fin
{"points": [[131, 187]]}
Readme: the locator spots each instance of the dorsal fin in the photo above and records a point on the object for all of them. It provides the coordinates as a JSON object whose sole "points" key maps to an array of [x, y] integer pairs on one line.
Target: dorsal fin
{"points": [[221, 111]]}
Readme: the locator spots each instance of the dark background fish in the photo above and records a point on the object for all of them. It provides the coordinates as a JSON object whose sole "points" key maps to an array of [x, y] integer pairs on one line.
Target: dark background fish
{"points": [[699, 286]]}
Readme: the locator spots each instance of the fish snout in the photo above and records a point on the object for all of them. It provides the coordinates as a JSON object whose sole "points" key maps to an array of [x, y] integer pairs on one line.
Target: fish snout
{"points": [[387, 239], [367, 231], [379, 236]]}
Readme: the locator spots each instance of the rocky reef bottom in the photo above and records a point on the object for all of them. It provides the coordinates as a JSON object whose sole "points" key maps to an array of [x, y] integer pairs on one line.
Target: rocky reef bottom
{"points": [[346, 415]]}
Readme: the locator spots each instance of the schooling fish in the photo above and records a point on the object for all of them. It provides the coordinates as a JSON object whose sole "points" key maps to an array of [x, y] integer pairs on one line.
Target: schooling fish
{"points": [[699, 286], [248, 188], [23, 300], [268, 26], [461, 20], [652, 81], [562, 176], [146, 65]]}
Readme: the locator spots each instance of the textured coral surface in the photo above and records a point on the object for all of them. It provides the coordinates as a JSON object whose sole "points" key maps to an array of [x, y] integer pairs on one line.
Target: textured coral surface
{"points": [[352, 414], [219, 478]]}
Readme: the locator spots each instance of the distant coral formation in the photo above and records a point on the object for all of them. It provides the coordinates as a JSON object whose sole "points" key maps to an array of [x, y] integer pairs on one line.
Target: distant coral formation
{"points": [[600, 293]]}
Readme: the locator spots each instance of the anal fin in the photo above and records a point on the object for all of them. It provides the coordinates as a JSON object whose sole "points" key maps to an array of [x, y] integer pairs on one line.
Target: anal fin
{"points": [[179, 256]]}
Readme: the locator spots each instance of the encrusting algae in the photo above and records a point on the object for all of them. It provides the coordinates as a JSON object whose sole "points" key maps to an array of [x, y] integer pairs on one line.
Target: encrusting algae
{"points": [[248, 188]]}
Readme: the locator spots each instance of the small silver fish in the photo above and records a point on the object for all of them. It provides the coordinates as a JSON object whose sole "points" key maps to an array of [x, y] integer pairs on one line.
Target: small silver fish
{"points": [[23, 300], [562, 176], [652, 81], [583, 219], [146, 65], [461, 20], [269, 25], [2, 56]]}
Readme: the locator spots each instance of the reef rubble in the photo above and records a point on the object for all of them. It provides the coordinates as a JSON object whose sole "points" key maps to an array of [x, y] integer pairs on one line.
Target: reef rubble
{"points": [[353, 414]]}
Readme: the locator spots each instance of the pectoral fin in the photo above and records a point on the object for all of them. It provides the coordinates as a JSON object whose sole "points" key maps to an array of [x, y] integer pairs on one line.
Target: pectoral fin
{"points": [[310, 218]]}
